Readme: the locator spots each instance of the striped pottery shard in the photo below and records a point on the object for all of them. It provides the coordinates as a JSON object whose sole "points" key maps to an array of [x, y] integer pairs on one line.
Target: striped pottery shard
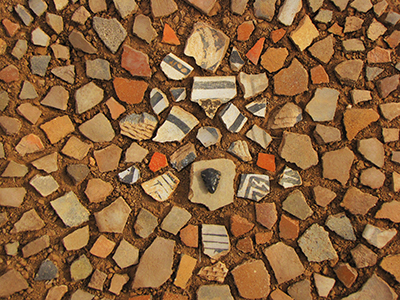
{"points": [[290, 178], [183, 157], [224, 194], [161, 187], [211, 92], [175, 68], [158, 101], [258, 107], [209, 136], [138, 126], [241, 150], [178, 94], [177, 125], [215, 240], [233, 119], [253, 186], [207, 46]]}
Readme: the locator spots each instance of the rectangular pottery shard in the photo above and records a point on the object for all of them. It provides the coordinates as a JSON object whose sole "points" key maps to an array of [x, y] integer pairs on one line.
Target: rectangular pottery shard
{"points": [[161, 187], [211, 92]]}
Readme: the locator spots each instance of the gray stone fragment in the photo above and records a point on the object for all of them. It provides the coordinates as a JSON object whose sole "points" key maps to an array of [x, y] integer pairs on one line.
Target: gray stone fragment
{"points": [[316, 245], [126, 255], [175, 220], [155, 266], [81, 268], [47, 271], [39, 64], [341, 225], [24, 14], [66, 73], [70, 210], [20, 48], [145, 223], [110, 31], [98, 69], [212, 292], [296, 205], [372, 72]]}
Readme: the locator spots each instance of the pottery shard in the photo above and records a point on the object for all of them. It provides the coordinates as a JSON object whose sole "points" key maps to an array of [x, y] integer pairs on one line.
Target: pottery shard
{"points": [[13, 196], [304, 34], [114, 217], [215, 272], [274, 58], [389, 210], [288, 116], [391, 264], [252, 279], [374, 288], [161, 8], [388, 85], [30, 221], [155, 266], [372, 150], [284, 262], [349, 70], [98, 129], [130, 91], [323, 50], [135, 61], [390, 111], [252, 85], [297, 149], [336, 164], [264, 9], [356, 119], [138, 126], [207, 46], [292, 80], [357, 202], [12, 282], [98, 190], [58, 128], [225, 192]]}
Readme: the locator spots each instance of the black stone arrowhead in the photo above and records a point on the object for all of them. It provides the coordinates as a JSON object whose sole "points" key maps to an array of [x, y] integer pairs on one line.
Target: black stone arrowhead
{"points": [[211, 178]]}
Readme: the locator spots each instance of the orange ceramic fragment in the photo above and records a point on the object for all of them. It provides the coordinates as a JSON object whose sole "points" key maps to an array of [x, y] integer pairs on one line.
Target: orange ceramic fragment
{"points": [[158, 161], [245, 30], [266, 161], [277, 35], [254, 53], [130, 91], [169, 36]]}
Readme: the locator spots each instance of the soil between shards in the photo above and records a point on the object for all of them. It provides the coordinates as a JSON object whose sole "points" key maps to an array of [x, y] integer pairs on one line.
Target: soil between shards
{"points": [[182, 22]]}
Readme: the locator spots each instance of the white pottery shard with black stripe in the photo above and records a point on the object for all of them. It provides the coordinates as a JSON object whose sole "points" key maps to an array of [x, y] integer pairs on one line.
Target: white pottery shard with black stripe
{"points": [[215, 240], [158, 101], [233, 119], [253, 186], [161, 187], [175, 68], [177, 125], [211, 92]]}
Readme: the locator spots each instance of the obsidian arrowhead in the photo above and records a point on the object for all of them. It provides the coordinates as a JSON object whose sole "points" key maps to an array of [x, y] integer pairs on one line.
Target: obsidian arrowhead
{"points": [[211, 178]]}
